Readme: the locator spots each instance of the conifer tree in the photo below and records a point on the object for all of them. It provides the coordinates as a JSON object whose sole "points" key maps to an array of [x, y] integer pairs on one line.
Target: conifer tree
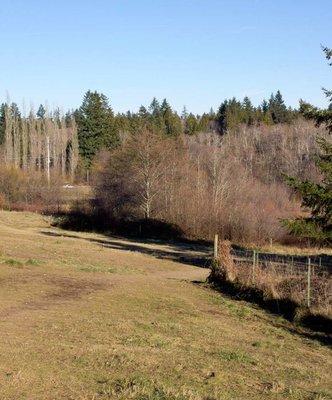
{"points": [[155, 107], [171, 121], [265, 114], [248, 111], [96, 126], [41, 112], [278, 109], [191, 126], [143, 112], [184, 113]]}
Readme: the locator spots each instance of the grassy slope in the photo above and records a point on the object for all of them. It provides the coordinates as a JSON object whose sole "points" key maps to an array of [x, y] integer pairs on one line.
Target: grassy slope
{"points": [[80, 320]]}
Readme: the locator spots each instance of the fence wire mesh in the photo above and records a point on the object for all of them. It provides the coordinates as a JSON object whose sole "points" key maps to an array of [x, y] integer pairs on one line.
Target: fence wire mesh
{"points": [[305, 280]]}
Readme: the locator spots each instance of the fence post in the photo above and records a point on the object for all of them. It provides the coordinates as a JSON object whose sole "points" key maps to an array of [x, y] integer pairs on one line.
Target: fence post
{"points": [[215, 246], [253, 266], [309, 283], [292, 266]]}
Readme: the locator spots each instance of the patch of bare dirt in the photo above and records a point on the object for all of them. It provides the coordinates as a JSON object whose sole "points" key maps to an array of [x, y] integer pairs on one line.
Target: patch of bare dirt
{"points": [[69, 288], [62, 288]]}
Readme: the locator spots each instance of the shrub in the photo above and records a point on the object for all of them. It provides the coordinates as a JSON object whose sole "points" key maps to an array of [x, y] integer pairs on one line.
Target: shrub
{"points": [[20, 190]]}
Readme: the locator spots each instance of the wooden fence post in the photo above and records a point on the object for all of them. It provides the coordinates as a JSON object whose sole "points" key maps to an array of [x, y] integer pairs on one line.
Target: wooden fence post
{"points": [[292, 268], [309, 283], [215, 247], [253, 266]]}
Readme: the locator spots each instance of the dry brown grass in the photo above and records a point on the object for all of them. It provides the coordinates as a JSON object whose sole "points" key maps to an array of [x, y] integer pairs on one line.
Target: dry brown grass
{"points": [[278, 248], [84, 317], [278, 283]]}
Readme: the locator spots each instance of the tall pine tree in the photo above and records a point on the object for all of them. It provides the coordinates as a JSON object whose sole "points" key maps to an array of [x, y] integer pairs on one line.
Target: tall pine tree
{"points": [[96, 126], [172, 122], [278, 109]]}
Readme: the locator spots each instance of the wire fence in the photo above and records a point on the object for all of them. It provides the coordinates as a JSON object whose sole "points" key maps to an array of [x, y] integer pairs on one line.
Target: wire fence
{"points": [[305, 279], [320, 265]]}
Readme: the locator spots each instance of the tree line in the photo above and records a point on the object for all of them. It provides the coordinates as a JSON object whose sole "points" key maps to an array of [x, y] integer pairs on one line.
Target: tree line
{"points": [[99, 127], [26, 140], [222, 171]]}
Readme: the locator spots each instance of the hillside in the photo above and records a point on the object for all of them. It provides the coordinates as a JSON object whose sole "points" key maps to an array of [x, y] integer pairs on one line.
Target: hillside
{"points": [[85, 316]]}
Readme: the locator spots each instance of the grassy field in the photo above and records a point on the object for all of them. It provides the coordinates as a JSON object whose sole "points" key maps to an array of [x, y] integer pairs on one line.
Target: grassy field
{"points": [[84, 316]]}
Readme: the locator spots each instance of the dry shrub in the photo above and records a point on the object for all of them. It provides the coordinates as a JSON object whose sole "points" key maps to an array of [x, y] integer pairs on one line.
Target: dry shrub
{"points": [[20, 190], [206, 184], [2, 201], [225, 261]]}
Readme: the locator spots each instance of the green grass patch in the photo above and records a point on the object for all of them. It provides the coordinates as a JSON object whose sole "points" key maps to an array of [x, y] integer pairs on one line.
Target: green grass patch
{"points": [[12, 262], [237, 356], [96, 268], [33, 262]]}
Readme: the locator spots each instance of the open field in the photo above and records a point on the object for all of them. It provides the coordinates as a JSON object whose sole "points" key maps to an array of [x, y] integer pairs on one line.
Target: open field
{"points": [[85, 316], [293, 250]]}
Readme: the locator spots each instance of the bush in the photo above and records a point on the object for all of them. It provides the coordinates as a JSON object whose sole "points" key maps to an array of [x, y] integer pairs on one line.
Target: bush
{"points": [[20, 190]]}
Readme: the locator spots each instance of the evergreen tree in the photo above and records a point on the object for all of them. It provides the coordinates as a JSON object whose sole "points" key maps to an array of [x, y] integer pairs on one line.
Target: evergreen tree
{"points": [[230, 114], [317, 197], [248, 111], [265, 106], [265, 115], [171, 122], [222, 116], [204, 121], [191, 126], [96, 126], [41, 113], [164, 106], [143, 112], [184, 114], [154, 107], [156, 122], [15, 111], [278, 109]]}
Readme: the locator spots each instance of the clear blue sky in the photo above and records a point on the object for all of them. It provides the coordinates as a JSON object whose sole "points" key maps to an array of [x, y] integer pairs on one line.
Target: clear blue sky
{"points": [[193, 52]]}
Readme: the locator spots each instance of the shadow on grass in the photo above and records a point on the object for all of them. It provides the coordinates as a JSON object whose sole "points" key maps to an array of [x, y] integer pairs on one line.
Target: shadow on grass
{"points": [[318, 327], [184, 253]]}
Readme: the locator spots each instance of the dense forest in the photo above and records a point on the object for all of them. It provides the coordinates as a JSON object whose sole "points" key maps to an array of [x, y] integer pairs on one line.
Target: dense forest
{"points": [[99, 128]]}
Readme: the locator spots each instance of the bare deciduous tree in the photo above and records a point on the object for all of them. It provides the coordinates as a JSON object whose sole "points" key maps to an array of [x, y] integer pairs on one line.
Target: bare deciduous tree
{"points": [[46, 144], [208, 183]]}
